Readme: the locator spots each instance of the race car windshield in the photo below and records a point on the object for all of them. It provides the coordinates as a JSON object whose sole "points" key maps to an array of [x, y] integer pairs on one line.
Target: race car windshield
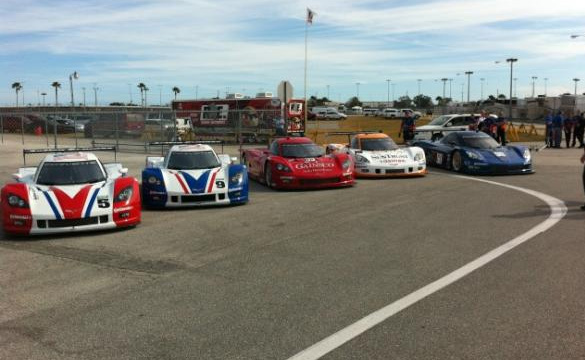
{"points": [[441, 120], [480, 142], [378, 144], [192, 160], [70, 173], [302, 150]]}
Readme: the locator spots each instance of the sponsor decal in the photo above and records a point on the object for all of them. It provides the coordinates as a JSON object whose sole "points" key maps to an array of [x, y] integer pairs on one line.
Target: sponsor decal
{"points": [[324, 166], [20, 217], [438, 158], [125, 208], [499, 154], [70, 156]]}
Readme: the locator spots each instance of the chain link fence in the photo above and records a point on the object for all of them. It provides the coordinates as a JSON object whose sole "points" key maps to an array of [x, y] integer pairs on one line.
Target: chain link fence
{"points": [[134, 130]]}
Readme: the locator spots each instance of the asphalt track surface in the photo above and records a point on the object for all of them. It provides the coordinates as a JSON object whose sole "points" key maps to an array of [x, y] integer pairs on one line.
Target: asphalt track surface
{"points": [[270, 279]]}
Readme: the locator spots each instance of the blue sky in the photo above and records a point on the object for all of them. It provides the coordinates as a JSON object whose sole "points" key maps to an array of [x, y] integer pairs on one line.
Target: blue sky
{"points": [[250, 46]]}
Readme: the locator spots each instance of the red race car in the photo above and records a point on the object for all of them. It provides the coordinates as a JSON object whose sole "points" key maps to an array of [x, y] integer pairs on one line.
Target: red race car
{"points": [[298, 163]]}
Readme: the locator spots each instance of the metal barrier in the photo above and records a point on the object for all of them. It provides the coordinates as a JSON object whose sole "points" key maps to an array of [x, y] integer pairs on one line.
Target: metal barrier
{"points": [[135, 128]]}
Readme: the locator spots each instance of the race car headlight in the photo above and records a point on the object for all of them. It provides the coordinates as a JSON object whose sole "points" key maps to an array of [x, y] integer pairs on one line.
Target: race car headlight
{"points": [[361, 159], [124, 195], [152, 180], [419, 157], [16, 201], [237, 178], [526, 155], [281, 167], [346, 164], [474, 155]]}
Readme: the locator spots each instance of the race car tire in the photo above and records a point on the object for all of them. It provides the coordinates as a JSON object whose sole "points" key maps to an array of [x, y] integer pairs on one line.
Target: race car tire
{"points": [[456, 161], [268, 174]]}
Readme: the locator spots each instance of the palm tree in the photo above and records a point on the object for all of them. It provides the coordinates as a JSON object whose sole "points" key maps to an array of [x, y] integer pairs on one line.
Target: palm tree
{"points": [[56, 85], [141, 86], [17, 87], [176, 90]]}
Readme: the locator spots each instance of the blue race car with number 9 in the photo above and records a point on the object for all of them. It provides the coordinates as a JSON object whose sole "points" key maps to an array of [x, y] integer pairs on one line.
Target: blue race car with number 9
{"points": [[476, 153], [192, 174]]}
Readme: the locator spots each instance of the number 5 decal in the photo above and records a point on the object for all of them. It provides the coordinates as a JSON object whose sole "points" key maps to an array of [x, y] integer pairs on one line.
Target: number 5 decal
{"points": [[103, 203]]}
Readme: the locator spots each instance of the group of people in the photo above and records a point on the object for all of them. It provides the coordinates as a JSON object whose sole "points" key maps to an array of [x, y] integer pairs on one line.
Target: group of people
{"points": [[572, 125], [494, 126]]}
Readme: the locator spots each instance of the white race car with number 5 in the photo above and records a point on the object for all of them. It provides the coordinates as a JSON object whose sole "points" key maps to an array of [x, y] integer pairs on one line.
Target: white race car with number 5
{"points": [[192, 174], [376, 155], [70, 191]]}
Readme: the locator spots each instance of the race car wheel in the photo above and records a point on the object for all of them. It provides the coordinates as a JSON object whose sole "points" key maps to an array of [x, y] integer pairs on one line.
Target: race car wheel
{"points": [[268, 174], [456, 161]]}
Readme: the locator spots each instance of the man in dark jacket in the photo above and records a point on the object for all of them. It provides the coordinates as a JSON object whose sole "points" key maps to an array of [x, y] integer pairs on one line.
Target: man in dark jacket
{"points": [[579, 129]]}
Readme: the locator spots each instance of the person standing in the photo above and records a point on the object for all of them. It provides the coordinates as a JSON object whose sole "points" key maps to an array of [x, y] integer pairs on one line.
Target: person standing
{"points": [[557, 125], [548, 128], [501, 126], [583, 162], [407, 126], [569, 127], [579, 129]]}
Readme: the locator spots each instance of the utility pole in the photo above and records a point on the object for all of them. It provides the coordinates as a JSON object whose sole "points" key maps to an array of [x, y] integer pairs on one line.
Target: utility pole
{"points": [[576, 80], [388, 92], [468, 73], [95, 90], [511, 61], [533, 82]]}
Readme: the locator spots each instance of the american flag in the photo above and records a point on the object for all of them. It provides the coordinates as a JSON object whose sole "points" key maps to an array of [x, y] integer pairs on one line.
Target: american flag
{"points": [[310, 15]]}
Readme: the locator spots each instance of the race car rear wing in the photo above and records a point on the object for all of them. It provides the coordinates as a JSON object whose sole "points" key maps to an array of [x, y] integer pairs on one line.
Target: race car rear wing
{"points": [[162, 144], [61, 150], [351, 133]]}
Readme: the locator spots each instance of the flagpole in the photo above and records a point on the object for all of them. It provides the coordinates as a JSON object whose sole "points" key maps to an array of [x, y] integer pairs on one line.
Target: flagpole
{"points": [[305, 83]]}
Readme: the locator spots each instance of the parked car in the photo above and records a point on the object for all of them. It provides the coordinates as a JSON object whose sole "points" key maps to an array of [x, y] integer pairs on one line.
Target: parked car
{"points": [[369, 111], [377, 155], [390, 113], [67, 192], [476, 153], [444, 124], [110, 124], [298, 163], [193, 175]]}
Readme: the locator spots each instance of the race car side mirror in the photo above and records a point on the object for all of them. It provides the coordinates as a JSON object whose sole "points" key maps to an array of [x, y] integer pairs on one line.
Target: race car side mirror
{"points": [[123, 171], [234, 159], [17, 177]]}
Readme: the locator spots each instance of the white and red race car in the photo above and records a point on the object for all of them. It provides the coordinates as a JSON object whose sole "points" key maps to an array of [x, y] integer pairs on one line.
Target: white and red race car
{"points": [[70, 190]]}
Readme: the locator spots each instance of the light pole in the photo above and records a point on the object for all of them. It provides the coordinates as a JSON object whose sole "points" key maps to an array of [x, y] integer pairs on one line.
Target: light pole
{"points": [[418, 81], [95, 90], [515, 87], [160, 95], [444, 80], [388, 92], [450, 87], [357, 86], [468, 73], [393, 88], [576, 80], [462, 91], [83, 88], [43, 94], [481, 97], [533, 82], [73, 76], [511, 61]]}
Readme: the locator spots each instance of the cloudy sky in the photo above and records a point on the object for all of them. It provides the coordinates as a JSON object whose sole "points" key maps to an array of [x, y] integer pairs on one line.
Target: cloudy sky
{"points": [[210, 46]]}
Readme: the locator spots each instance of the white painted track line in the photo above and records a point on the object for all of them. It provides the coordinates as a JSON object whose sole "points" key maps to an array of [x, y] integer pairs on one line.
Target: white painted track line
{"points": [[557, 211]]}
